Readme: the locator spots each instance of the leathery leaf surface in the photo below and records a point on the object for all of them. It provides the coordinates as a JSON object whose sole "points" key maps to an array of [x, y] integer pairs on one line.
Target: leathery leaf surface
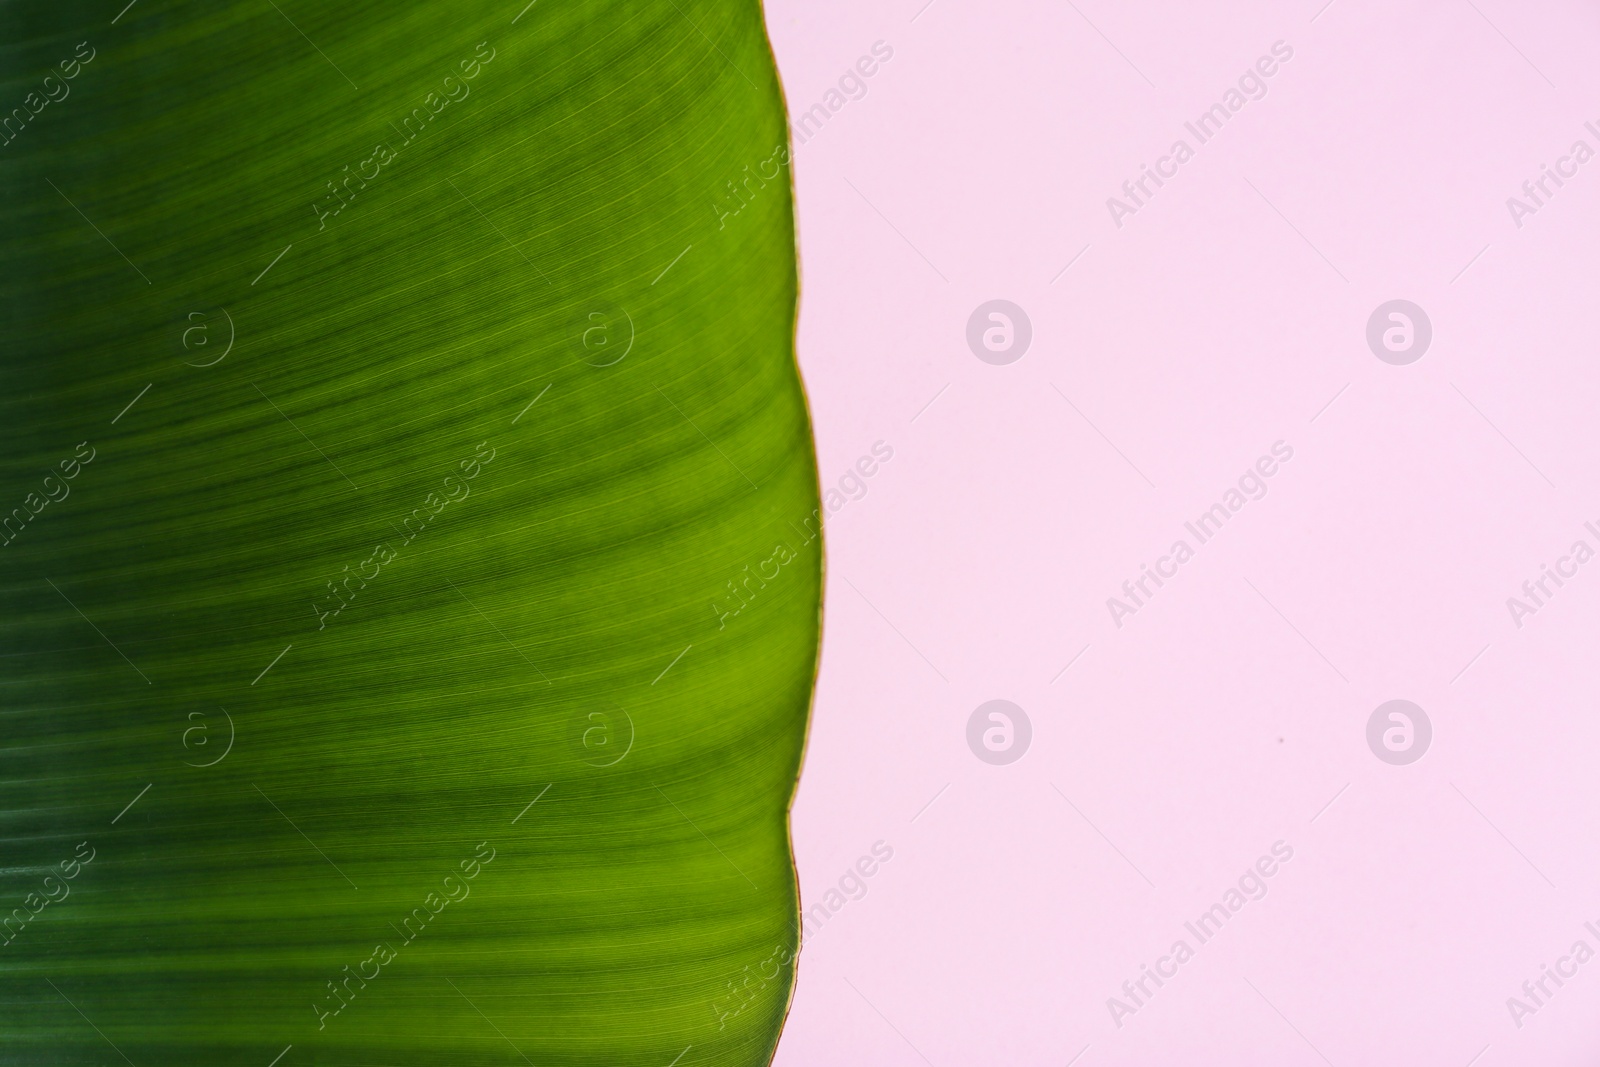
{"points": [[410, 583]]}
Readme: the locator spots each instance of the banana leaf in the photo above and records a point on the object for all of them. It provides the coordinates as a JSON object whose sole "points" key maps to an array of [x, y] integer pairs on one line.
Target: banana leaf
{"points": [[409, 558]]}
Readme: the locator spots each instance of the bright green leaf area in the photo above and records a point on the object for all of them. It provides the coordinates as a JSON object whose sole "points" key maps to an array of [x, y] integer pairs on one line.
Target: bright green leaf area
{"points": [[409, 568]]}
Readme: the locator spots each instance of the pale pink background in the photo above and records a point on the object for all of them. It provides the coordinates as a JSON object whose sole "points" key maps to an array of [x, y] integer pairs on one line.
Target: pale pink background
{"points": [[1193, 338]]}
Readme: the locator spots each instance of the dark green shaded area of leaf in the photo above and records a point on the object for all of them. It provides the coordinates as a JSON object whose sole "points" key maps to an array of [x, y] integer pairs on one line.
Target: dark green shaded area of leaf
{"points": [[561, 628]]}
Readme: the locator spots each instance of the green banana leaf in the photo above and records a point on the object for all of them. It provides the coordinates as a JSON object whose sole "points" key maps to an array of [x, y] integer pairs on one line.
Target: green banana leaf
{"points": [[409, 563]]}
